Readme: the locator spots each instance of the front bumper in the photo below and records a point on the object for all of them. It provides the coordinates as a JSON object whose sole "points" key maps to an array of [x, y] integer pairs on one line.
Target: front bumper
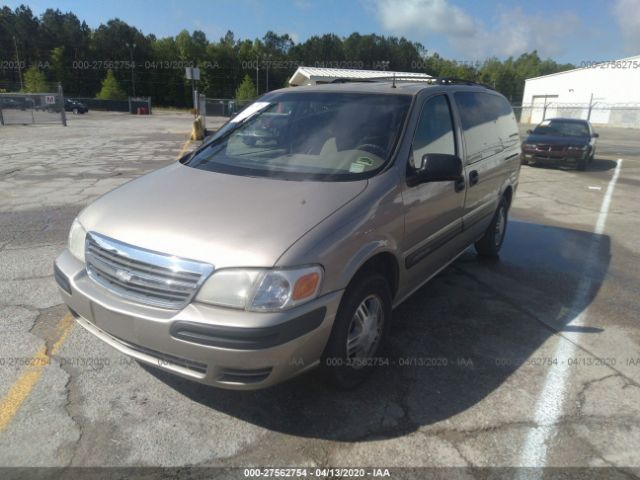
{"points": [[564, 156], [216, 346]]}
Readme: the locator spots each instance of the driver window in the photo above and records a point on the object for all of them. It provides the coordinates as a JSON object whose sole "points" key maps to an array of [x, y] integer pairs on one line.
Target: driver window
{"points": [[434, 133]]}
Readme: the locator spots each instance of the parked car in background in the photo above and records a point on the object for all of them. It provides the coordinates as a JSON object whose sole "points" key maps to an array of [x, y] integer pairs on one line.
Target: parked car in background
{"points": [[70, 105], [7, 103], [284, 242], [563, 141], [74, 106]]}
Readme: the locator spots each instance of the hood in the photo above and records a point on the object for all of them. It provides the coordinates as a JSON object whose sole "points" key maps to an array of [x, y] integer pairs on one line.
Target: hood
{"points": [[225, 220], [556, 140]]}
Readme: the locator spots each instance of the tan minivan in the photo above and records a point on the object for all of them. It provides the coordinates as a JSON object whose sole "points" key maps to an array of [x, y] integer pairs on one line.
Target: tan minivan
{"points": [[284, 242]]}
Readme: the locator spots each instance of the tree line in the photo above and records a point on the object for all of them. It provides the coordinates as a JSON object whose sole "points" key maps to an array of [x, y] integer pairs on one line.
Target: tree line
{"points": [[56, 47]]}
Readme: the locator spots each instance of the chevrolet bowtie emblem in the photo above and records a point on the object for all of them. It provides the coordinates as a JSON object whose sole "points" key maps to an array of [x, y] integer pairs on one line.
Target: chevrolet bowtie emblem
{"points": [[123, 275]]}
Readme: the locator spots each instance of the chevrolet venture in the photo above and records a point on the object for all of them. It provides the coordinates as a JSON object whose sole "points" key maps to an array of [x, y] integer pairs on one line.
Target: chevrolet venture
{"points": [[284, 242]]}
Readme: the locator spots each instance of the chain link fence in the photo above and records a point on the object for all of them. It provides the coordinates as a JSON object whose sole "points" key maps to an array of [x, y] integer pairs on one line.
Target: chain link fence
{"points": [[611, 115], [224, 107], [29, 108], [134, 105]]}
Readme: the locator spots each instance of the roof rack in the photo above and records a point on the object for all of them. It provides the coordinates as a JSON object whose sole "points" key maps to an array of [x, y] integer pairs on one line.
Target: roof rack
{"points": [[405, 79], [350, 80]]}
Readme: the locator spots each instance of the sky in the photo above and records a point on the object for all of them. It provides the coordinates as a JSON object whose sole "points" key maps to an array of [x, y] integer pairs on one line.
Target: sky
{"points": [[573, 31]]}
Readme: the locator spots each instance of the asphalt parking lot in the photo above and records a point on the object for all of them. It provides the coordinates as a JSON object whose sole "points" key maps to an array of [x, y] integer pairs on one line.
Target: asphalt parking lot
{"points": [[531, 360]]}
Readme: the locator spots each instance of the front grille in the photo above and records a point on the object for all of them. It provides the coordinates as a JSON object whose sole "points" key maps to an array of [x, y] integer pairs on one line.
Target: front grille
{"points": [[141, 275], [549, 148]]}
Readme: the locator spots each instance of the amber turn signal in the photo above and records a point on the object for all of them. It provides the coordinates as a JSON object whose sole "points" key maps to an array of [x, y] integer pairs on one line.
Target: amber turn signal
{"points": [[305, 286]]}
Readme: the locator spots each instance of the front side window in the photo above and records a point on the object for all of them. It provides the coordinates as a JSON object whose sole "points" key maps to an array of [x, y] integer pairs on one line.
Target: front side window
{"points": [[434, 133], [308, 136]]}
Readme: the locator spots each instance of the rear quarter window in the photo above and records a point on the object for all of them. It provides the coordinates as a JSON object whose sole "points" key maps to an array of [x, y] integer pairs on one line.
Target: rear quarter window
{"points": [[488, 123]]}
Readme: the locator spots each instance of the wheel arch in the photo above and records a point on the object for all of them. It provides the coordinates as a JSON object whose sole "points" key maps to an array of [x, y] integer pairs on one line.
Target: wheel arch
{"points": [[382, 262]]}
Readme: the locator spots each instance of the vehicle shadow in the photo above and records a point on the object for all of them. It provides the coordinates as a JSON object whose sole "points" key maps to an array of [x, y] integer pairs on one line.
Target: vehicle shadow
{"points": [[597, 165], [601, 165], [453, 342]]}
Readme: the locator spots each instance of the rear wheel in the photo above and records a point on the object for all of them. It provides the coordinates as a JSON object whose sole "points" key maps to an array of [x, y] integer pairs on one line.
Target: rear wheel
{"points": [[491, 242], [358, 332]]}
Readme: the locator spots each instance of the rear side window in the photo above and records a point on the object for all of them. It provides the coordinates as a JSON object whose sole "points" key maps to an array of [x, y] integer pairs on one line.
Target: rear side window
{"points": [[488, 123], [434, 133]]}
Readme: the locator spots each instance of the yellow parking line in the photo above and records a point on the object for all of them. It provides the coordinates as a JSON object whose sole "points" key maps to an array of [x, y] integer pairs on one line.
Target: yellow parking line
{"points": [[21, 389]]}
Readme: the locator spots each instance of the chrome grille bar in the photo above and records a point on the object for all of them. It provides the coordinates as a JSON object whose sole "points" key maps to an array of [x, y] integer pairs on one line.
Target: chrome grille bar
{"points": [[142, 275]]}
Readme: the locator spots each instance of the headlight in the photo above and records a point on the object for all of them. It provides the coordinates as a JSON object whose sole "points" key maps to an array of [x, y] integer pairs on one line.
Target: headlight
{"points": [[77, 235], [577, 147], [261, 290]]}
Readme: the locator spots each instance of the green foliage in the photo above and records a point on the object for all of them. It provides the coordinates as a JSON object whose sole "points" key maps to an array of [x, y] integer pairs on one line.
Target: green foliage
{"points": [[58, 62], [110, 88], [246, 91], [34, 80], [79, 57]]}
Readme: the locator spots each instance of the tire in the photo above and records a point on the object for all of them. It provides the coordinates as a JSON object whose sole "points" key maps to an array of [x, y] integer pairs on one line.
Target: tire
{"points": [[346, 370], [582, 164], [524, 161], [491, 242]]}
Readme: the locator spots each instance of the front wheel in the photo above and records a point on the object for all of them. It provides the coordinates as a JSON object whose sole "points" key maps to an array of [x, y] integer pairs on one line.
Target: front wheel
{"points": [[582, 164], [491, 242], [358, 332]]}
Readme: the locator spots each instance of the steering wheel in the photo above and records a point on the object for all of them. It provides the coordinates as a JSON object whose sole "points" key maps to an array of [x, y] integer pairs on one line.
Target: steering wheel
{"points": [[372, 148]]}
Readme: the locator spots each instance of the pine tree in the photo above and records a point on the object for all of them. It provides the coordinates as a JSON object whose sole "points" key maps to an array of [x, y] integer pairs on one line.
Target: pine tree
{"points": [[246, 91], [34, 80], [110, 88]]}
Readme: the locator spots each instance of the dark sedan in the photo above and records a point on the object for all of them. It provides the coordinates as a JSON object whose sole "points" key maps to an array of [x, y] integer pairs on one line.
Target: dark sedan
{"points": [[74, 106], [564, 141]]}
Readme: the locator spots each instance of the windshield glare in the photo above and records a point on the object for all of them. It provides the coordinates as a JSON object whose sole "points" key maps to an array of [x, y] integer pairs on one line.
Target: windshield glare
{"points": [[566, 129], [315, 136]]}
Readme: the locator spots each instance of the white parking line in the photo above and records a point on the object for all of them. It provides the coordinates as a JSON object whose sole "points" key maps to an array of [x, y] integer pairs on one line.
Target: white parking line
{"points": [[549, 405]]}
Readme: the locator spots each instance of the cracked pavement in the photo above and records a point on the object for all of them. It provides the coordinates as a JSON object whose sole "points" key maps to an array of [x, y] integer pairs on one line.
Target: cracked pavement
{"points": [[471, 350]]}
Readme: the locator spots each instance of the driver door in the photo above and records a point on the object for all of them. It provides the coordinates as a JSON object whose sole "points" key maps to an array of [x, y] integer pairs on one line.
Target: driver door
{"points": [[433, 210]]}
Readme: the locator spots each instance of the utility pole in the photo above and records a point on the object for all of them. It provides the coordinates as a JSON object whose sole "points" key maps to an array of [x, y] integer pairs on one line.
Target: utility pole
{"points": [[257, 75], [15, 43], [131, 47], [268, 58]]}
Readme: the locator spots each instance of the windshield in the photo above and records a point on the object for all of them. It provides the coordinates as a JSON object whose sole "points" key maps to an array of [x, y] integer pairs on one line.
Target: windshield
{"points": [[565, 129], [308, 136]]}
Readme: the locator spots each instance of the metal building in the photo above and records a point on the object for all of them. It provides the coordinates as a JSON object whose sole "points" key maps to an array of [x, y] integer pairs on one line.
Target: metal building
{"points": [[605, 93], [316, 75]]}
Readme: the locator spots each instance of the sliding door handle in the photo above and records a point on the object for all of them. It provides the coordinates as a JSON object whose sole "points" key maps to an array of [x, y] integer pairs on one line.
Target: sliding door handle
{"points": [[474, 176]]}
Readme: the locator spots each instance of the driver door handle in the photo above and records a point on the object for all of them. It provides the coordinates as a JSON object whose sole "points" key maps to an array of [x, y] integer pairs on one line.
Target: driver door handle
{"points": [[474, 176]]}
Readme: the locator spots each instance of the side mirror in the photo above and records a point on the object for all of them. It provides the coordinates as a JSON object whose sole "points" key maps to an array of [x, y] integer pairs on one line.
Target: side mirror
{"points": [[436, 167], [529, 131], [595, 135]]}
